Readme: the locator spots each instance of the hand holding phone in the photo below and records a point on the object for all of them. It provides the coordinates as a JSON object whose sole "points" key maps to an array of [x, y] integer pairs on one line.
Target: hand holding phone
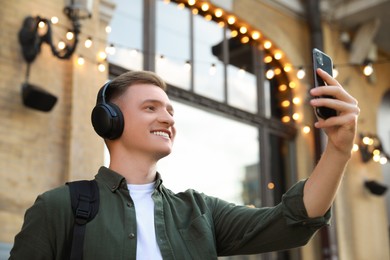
{"points": [[324, 62]]}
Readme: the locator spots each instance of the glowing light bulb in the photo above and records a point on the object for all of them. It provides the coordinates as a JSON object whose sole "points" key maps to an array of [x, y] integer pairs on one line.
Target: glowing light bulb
{"points": [[267, 44], [54, 20], [101, 67], [268, 59], [88, 43], [231, 20], [69, 35], [306, 129], [270, 74], [102, 55], [368, 69], [296, 116], [61, 45], [255, 35], [243, 29], [213, 69], [205, 7], [286, 119], [191, 2], [278, 55], [245, 39], [285, 103], [282, 87], [218, 13], [80, 60], [301, 73]]}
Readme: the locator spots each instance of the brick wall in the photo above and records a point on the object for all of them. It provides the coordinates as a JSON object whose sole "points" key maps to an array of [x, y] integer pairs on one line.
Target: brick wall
{"points": [[39, 150]]}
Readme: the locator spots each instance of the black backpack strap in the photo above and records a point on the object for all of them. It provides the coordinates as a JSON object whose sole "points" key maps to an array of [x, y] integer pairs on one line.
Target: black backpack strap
{"points": [[84, 197]]}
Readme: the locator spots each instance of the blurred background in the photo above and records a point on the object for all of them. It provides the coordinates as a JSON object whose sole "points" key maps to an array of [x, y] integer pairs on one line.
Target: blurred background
{"points": [[238, 72]]}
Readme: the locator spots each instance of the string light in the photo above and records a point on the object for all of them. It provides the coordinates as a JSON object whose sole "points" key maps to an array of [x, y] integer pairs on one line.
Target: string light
{"points": [[110, 49], [256, 35], [296, 101], [61, 45], [286, 119], [285, 103], [41, 24], [296, 116], [278, 55], [368, 69], [306, 129], [301, 73], [80, 60], [108, 29], [282, 88], [187, 66], [231, 20], [191, 2], [102, 55], [88, 43], [267, 45], [245, 39], [268, 59], [335, 72], [218, 13], [101, 67], [243, 29], [213, 69], [69, 35], [205, 7], [270, 74], [54, 20]]}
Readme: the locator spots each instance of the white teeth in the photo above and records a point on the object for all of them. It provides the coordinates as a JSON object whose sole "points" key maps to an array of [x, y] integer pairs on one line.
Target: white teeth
{"points": [[160, 133]]}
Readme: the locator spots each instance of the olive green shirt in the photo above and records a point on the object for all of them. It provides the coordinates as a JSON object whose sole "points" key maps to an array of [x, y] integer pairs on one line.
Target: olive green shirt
{"points": [[189, 225]]}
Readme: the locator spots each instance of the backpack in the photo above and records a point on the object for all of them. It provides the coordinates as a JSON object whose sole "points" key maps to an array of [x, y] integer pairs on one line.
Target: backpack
{"points": [[84, 196]]}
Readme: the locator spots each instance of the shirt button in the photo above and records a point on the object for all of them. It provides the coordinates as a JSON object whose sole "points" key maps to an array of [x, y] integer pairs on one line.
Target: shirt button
{"points": [[131, 235]]}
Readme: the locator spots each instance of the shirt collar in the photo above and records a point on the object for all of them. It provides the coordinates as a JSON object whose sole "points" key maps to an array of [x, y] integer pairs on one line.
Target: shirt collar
{"points": [[114, 180]]}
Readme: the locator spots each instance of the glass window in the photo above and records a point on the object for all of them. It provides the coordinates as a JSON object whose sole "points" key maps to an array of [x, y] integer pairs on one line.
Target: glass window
{"points": [[126, 34], [242, 91], [214, 156], [208, 69], [173, 44]]}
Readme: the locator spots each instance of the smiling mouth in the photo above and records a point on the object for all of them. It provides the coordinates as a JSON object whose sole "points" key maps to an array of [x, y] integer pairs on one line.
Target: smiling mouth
{"points": [[161, 133]]}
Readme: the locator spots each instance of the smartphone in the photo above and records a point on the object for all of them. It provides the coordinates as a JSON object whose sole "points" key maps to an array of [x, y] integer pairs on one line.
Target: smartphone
{"points": [[324, 62]]}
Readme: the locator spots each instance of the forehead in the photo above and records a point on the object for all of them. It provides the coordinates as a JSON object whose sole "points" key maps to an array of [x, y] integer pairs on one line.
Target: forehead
{"points": [[140, 92]]}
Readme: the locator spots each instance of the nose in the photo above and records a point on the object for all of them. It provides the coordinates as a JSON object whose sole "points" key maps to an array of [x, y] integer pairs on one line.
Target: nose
{"points": [[166, 118]]}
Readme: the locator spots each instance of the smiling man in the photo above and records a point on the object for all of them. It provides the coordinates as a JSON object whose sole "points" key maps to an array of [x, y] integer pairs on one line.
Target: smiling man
{"points": [[139, 218]]}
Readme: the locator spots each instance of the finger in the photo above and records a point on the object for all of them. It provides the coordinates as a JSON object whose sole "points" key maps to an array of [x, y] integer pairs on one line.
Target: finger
{"points": [[327, 78], [335, 92], [348, 119], [336, 104]]}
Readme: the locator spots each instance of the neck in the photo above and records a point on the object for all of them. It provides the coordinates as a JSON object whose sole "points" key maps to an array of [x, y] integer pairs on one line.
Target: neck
{"points": [[135, 169]]}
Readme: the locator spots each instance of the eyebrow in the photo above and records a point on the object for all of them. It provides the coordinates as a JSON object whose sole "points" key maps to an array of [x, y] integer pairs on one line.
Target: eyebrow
{"points": [[168, 106]]}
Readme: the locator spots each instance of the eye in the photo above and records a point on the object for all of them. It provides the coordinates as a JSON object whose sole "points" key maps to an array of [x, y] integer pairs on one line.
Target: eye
{"points": [[150, 108]]}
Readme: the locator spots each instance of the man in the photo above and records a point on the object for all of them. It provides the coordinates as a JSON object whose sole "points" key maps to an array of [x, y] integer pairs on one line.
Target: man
{"points": [[141, 219]]}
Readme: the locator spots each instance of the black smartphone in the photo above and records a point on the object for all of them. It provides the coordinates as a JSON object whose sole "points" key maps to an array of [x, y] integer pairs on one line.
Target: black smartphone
{"points": [[324, 62]]}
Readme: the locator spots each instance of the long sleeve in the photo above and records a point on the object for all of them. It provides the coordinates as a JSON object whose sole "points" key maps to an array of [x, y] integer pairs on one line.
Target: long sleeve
{"points": [[243, 230]]}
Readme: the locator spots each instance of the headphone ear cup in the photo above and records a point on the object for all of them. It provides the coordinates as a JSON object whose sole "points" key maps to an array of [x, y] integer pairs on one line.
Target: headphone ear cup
{"points": [[107, 120]]}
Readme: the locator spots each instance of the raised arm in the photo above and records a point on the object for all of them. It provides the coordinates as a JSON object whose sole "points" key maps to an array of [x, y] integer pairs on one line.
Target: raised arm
{"points": [[322, 185]]}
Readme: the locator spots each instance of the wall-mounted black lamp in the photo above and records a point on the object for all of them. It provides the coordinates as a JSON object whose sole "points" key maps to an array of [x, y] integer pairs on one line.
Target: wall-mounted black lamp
{"points": [[38, 30], [370, 147]]}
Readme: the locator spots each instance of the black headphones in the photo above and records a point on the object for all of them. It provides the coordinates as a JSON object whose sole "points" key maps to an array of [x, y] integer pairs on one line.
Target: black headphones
{"points": [[107, 118]]}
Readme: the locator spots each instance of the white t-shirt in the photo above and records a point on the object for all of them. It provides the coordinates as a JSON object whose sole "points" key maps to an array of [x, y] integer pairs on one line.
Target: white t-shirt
{"points": [[147, 247]]}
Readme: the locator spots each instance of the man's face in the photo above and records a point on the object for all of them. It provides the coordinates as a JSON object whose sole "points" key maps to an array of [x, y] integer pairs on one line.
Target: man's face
{"points": [[149, 125]]}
